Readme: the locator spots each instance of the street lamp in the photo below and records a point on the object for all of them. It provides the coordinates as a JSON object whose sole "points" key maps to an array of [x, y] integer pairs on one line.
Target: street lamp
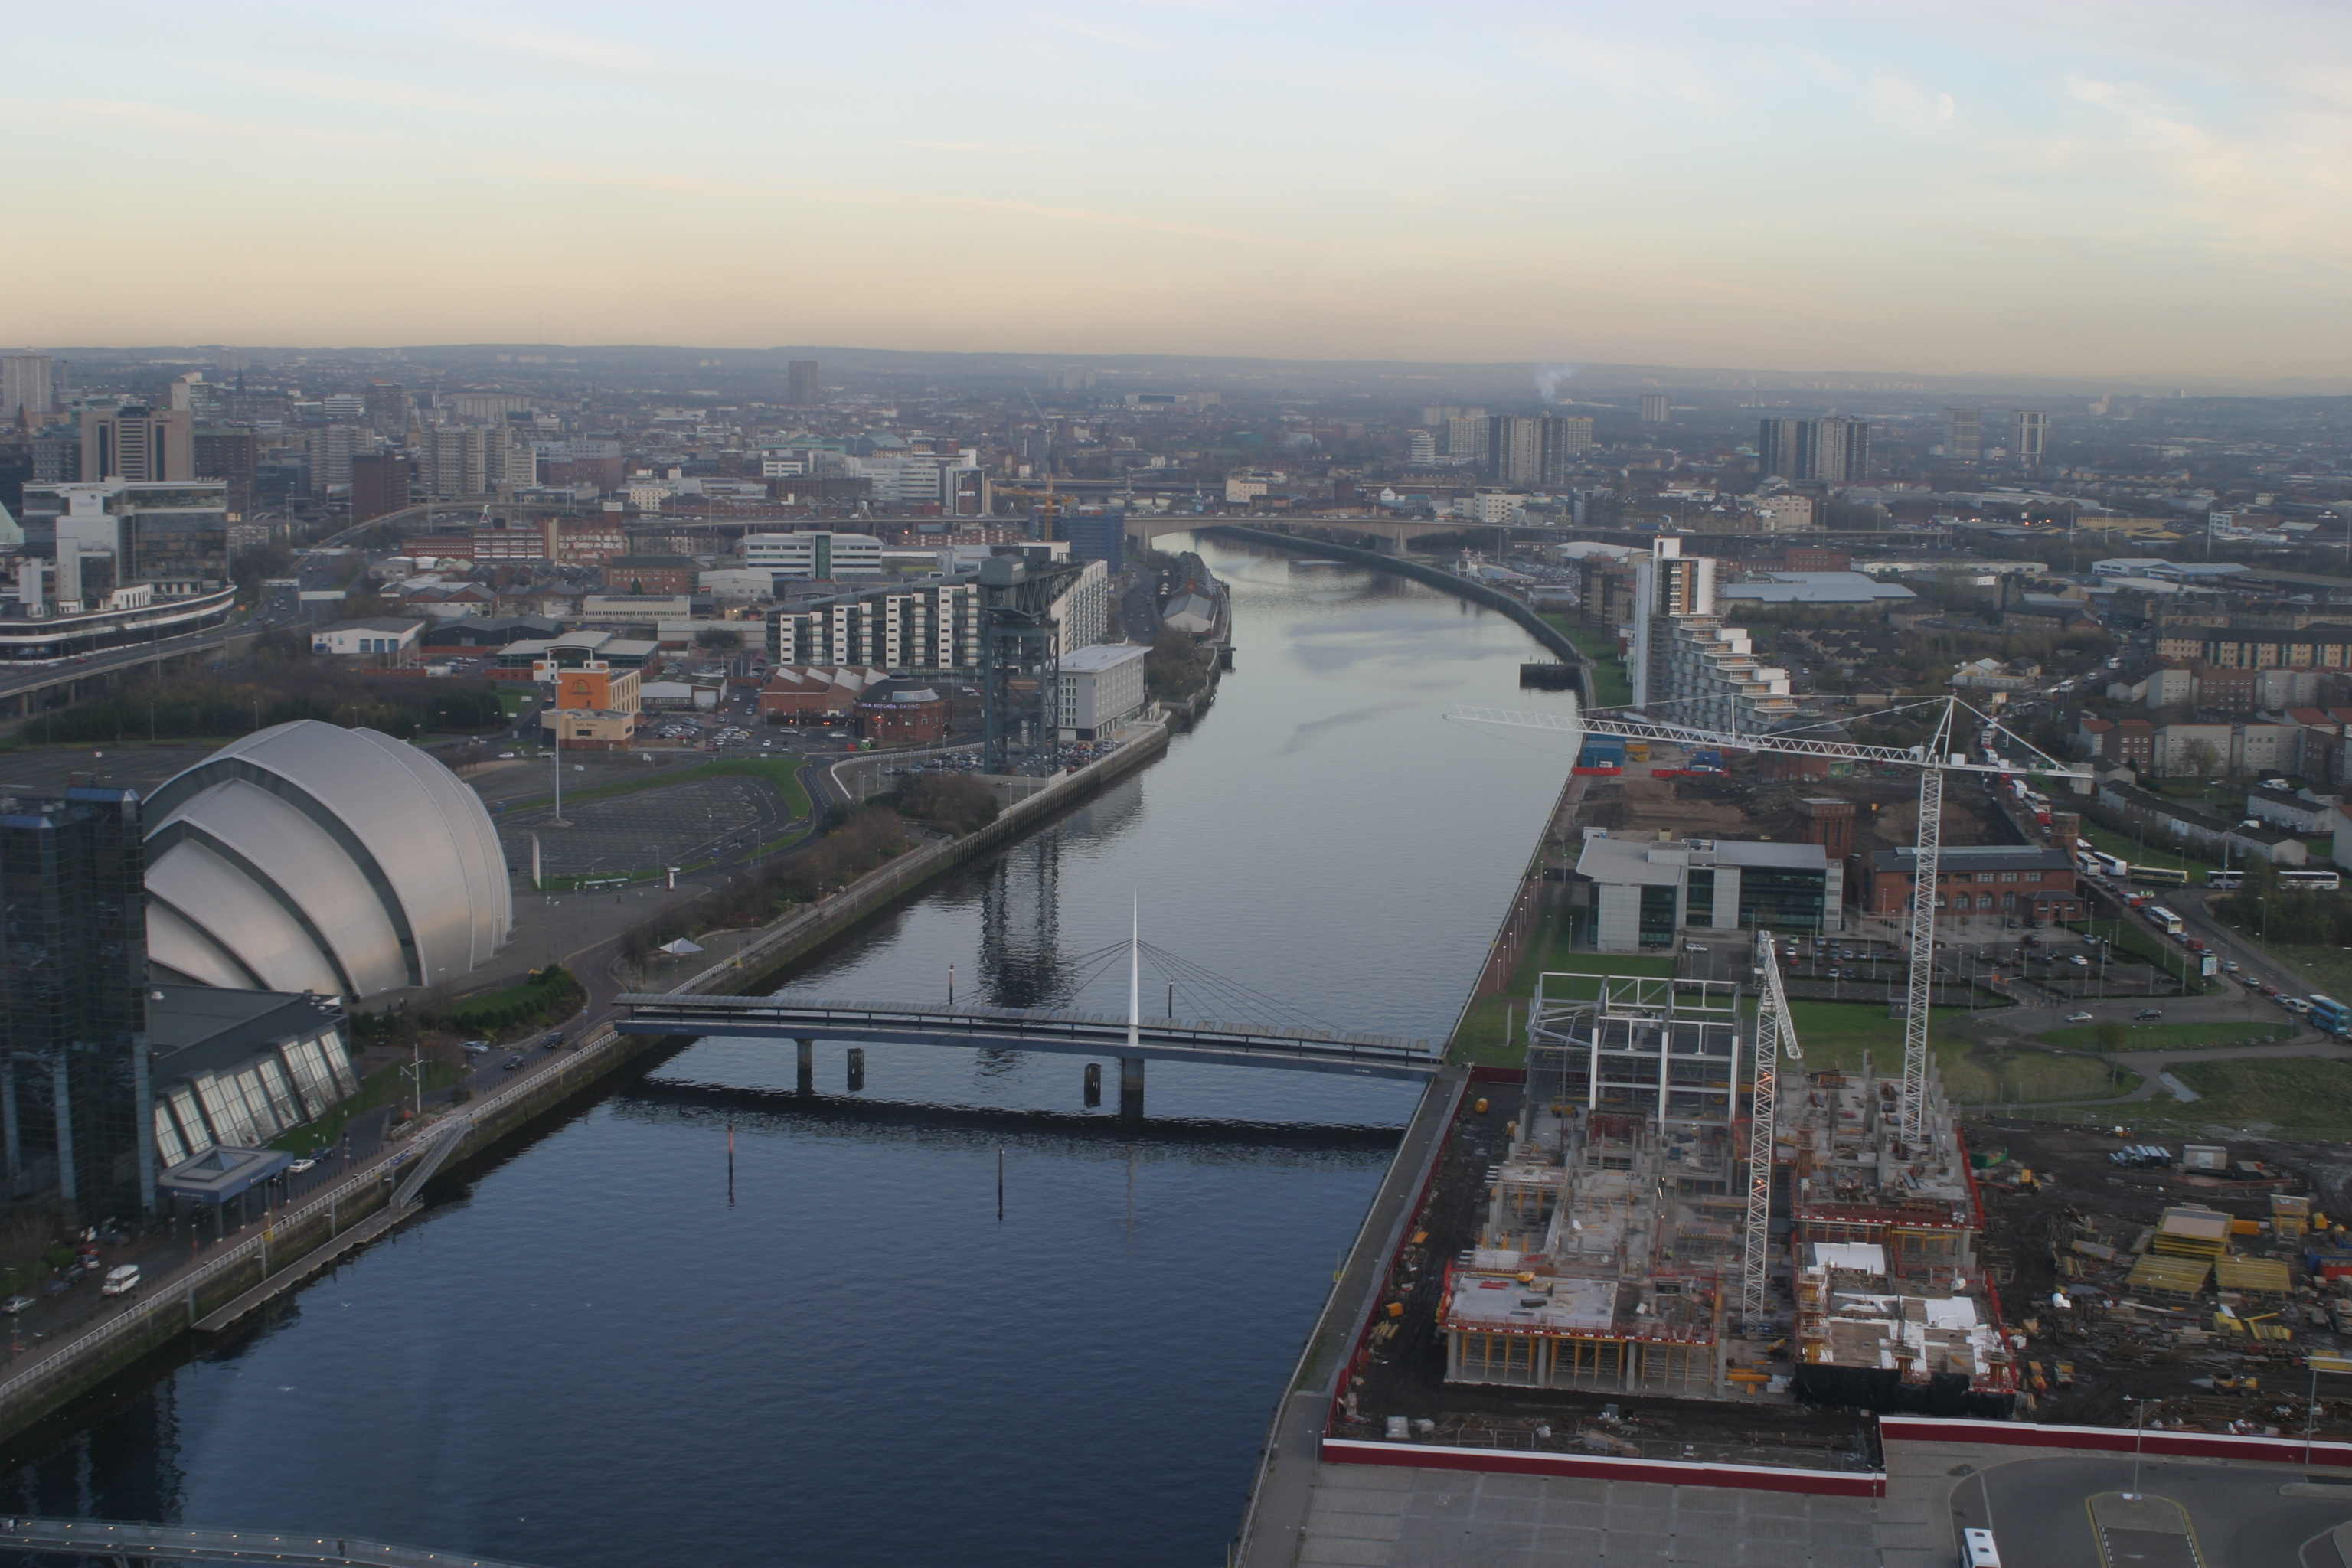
{"points": [[2139, 1425]]}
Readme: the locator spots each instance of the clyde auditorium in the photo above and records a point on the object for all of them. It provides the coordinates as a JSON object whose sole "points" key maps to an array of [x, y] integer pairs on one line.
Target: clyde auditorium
{"points": [[307, 857]]}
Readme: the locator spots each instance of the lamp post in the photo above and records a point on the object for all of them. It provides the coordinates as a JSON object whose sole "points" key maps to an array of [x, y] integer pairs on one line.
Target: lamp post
{"points": [[2139, 1425]]}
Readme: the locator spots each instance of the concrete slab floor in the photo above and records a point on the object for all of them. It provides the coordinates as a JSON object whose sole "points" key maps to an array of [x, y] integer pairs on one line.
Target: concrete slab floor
{"points": [[1374, 1516]]}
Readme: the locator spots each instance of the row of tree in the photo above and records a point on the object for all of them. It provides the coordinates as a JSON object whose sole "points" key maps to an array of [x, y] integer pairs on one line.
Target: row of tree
{"points": [[856, 841], [185, 710]]}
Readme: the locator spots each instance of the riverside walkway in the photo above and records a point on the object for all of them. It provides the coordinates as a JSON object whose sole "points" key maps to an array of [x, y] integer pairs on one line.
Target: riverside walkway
{"points": [[177, 1543]]}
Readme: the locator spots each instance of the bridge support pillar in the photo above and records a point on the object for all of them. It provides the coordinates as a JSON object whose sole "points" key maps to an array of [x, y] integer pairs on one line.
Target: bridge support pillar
{"points": [[807, 1066], [856, 1068], [1130, 1086], [1093, 1084]]}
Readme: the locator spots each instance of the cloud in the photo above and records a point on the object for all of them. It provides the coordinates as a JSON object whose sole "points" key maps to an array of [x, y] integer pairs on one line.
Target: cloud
{"points": [[360, 89], [969, 146]]}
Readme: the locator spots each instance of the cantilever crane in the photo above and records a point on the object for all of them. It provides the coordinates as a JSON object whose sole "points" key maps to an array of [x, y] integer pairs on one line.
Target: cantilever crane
{"points": [[1776, 1034], [1933, 758]]}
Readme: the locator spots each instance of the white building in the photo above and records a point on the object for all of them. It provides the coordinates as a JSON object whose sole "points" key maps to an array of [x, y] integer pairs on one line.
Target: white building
{"points": [[1687, 666], [1632, 894], [1492, 506], [817, 553], [1082, 612], [1102, 687], [381, 634], [1784, 513]]}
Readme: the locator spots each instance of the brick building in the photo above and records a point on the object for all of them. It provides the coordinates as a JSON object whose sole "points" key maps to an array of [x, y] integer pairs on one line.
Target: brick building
{"points": [[2006, 881], [652, 575], [897, 714]]}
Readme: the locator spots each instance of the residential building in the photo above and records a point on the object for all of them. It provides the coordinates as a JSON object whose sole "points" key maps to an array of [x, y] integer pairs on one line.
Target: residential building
{"points": [[2298, 811], [26, 391], [2185, 827], [1830, 450], [76, 1115], [1419, 448], [2005, 881], [1656, 408], [1784, 512], [801, 383], [1627, 894], [1534, 449], [816, 553], [333, 449], [1097, 536], [382, 638], [2319, 646], [380, 484], [2192, 749], [138, 443], [1964, 435], [1102, 687], [1686, 664], [230, 453], [652, 574], [931, 627], [591, 541], [2030, 436]]}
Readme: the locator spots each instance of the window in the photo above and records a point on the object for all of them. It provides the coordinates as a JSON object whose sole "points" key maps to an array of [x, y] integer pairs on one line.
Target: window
{"points": [[2033, 876], [1698, 900], [2009, 900], [2008, 876], [1984, 876]]}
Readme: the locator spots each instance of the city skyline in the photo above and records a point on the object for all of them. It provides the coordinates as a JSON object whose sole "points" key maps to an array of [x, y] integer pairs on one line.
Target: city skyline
{"points": [[2078, 193]]}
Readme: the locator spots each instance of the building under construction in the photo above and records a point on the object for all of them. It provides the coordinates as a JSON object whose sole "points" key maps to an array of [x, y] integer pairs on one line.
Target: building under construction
{"points": [[1614, 1241]]}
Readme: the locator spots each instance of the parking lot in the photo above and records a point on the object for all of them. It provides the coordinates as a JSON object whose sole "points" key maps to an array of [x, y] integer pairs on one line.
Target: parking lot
{"points": [[679, 824]]}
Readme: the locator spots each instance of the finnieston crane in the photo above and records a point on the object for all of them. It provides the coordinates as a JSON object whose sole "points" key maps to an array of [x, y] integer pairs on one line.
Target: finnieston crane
{"points": [[1934, 757]]}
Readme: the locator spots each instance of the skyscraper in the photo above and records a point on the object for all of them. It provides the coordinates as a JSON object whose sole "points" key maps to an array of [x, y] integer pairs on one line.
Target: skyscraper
{"points": [[228, 452], [800, 384], [380, 482], [138, 443], [1656, 408], [1535, 449], [26, 388], [1964, 435], [2030, 440], [75, 1111], [1832, 451]]}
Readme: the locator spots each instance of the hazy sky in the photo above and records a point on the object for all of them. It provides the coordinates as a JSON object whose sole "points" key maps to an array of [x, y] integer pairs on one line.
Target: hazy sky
{"points": [[2070, 187]]}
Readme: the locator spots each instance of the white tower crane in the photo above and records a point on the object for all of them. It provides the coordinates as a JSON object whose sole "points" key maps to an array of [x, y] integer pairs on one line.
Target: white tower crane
{"points": [[1776, 1035], [1933, 758]]}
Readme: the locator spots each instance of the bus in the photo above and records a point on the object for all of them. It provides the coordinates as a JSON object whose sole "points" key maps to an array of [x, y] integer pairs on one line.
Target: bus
{"points": [[2164, 919], [2324, 881], [2112, 865], [2329, 1013], [2225, 878], [2159, 877]]}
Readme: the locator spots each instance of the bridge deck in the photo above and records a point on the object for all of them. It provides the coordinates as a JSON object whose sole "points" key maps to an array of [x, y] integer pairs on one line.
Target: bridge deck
{"points": [[1070, 1034], [106, 1538]]}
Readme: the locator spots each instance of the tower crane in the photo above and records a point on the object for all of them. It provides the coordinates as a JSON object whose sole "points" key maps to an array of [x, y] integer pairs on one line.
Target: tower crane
{"points": [[1938, 754], [1776, 1035]]}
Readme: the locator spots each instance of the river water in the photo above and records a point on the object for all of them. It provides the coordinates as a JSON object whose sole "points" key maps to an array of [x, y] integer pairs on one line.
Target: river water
{"points": [[622, 1345]]}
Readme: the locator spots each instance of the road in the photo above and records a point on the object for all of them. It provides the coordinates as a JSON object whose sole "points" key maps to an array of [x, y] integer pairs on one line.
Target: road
{"points": [[2040, 1513]]}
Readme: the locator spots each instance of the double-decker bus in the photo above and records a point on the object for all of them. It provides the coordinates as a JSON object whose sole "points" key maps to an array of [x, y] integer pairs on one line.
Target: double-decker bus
{"points": [[2329, 1013]]}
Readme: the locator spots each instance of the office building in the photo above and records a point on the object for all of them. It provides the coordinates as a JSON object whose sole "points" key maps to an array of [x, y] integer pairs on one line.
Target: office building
{"points": [[233, 1069], [1964, 435], [816, 553], [169, 540], [1102, 687], [230, 453], [26, 392], [1628, 894], [1098, 536], [138, 443], [1656, 408], [2029, 435], [1830, 450], [801, 382], [75, 1103]]}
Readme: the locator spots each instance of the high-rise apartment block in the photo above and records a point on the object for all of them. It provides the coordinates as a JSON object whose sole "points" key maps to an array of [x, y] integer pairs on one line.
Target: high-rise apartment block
{"points": [[380, 482], [77, 1115], [1964, 435], [1832, 451], [2029, 439], [1656, 408], [1465, 437], [1688, 667], [1535, 449], [801, 382], [138, 443], [230, 453], [333, 447], [1420, 448], [26, 392]]}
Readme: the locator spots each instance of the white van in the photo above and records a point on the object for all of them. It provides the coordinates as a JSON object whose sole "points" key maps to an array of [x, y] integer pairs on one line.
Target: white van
{"points": [[120, 1281], [1980, 1550]]}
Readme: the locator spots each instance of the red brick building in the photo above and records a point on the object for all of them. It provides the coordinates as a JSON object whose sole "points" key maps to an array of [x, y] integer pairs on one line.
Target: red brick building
{"points": [[2005, 881], [893, 714], [814, 694], [652, 575]]}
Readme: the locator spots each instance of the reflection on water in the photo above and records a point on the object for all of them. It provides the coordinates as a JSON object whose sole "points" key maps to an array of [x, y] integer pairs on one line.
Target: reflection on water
{"points": [[597, 1351]]}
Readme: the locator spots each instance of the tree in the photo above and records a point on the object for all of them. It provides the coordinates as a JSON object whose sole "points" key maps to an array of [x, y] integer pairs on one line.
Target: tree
{"points": [[723, 639]]}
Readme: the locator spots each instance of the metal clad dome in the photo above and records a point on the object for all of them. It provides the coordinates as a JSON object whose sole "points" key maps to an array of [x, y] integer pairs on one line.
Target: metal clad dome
{"points": [[309, 856]]}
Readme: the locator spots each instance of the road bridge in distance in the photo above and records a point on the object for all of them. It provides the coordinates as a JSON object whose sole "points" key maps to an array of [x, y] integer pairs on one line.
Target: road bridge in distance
{"points": [[120, 1542], [1131, 1041]]}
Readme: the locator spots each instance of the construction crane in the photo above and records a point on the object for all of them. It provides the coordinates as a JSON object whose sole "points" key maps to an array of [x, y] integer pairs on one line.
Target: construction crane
{"points": [[1776, 1035], [1934, 757]]}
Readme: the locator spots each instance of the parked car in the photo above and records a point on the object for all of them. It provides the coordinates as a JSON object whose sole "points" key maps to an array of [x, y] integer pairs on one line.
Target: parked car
{"points": [[15, 1304], [305, 1163], [2079, 1018], [2078, 960], [2149, 1012]]}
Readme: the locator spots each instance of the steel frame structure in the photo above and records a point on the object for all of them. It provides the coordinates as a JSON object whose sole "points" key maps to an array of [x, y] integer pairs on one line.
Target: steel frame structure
{"points": [[1776, 1034]]}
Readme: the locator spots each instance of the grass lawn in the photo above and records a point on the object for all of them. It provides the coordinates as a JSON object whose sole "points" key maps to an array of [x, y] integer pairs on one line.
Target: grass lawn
{"points": [[2129, 847], [385, 1086], [2291, 1093], [1834, 1035], [1481, 1038], [1611, 685], [2173, 1036], [2137, 941]]}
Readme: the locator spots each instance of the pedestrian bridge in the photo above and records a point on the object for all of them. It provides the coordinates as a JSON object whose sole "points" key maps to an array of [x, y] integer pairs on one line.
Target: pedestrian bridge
{"points": [[1129, 1039]]}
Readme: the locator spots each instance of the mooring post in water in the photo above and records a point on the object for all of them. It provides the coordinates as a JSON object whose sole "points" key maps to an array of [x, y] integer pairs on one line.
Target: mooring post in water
{"points": [[1094, 1083], [856, 1068], [1130, 1068], [1130, 1086], [1000, 1182], [807, 1066]]}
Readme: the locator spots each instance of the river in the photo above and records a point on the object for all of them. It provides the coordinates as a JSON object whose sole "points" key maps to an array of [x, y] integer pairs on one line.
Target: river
{"points": [[701, 1321]]}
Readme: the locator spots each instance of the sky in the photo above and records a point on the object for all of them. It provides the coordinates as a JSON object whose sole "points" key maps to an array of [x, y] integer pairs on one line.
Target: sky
{"points": [[2076, 188]]}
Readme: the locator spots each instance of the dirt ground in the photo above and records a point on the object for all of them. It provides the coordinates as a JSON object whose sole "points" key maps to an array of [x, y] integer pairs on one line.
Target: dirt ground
{"points": [[2125, 1348]]}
